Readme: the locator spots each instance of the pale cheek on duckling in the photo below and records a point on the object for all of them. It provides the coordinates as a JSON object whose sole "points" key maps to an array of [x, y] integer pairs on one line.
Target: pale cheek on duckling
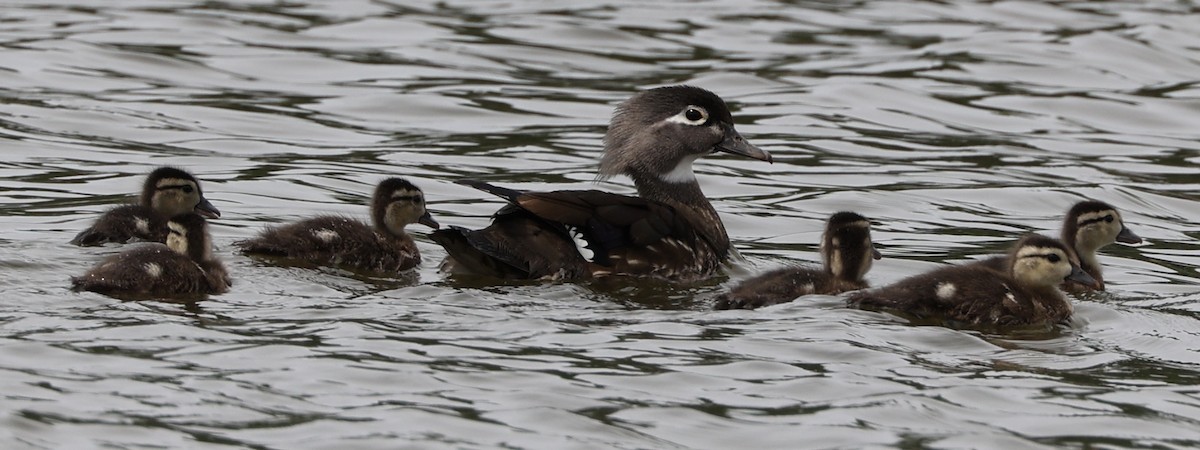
{"points": [[142, 224]]}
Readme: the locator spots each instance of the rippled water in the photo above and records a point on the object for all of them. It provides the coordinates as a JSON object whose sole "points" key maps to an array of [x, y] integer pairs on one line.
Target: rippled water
{"points": [[954, 125]]}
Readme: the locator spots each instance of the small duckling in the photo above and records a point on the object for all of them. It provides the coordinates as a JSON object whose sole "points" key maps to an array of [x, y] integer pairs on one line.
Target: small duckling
{"points": [[1089, 226], [847, 254], [330, 240], [184, 265], [167, 192], [1025, 293]]}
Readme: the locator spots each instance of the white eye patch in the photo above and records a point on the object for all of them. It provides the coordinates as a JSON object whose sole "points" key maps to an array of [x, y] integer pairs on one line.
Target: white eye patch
{"points": [[692, 115]]}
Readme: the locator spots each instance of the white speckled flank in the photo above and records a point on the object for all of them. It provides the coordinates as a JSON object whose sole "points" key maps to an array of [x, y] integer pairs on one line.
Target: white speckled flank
{"points": [[153, 270], [325, 234], [808, 288], [945, 290], [1010, 301], [141, 224]]}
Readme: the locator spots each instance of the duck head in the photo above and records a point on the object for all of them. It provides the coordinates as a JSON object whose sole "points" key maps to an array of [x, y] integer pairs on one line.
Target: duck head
{"points": [[1039, 261], [398, 203], [658, 133], [846, 246], [170, 192]]}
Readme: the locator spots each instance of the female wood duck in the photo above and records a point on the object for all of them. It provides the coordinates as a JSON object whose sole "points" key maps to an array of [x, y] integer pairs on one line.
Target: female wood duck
{"points": [[1025, 293], [183, 266], [167, 192], [669, 231], [382, 247], [1089, 226], [847, 254]]}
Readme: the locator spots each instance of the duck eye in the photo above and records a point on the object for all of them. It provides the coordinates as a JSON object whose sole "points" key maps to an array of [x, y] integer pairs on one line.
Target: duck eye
{"points": [[187, 189], [1108, 218], [1053, 258], [693, 115]]}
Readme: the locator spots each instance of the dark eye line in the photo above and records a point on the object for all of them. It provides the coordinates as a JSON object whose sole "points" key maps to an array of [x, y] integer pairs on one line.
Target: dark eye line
{"points": [[1109, 218], [407, 198], [182, 187], [1051, 256]]}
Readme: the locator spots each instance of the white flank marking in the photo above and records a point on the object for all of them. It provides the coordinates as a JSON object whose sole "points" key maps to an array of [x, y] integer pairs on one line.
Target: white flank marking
{"points": [[142, 225], [1010, 301], [581, 245], [152, 269], [808, 289], [325, 234], [945, 290]]}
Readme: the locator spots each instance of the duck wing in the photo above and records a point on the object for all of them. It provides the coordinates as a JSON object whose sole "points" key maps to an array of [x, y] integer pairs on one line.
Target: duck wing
{"points": [[627, 235]]}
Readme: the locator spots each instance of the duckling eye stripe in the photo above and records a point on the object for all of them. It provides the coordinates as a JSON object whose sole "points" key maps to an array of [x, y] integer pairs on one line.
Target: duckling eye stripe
{"points": [[1086, 222], [172, 186]]}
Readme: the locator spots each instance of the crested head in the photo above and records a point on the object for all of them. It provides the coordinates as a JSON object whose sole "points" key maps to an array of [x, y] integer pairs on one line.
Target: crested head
{"points": [[846, 246], [1038, 261], [188, 235], [397, 203], [658, 133], [170, 191], [1092, 224]]}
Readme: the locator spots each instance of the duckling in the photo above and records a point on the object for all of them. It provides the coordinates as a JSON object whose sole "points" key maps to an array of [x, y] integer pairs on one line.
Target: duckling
{"points": [[167, 192], [847, 254], [1089, 226], [382, 247], [670, 230], [1025, 293], [184, 265]]}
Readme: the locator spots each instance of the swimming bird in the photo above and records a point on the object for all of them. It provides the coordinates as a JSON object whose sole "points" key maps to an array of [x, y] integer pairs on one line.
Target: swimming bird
{"points": [[846, 253], [183, 266], [670, 230], [330, 240], [167, 192], [1024, 293], [1089, 226]]}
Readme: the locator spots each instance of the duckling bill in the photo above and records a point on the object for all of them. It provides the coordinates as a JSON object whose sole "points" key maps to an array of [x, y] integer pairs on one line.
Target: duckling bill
{"points": [[670, 230], [847, 253], [167, 192], [329, 240]]}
